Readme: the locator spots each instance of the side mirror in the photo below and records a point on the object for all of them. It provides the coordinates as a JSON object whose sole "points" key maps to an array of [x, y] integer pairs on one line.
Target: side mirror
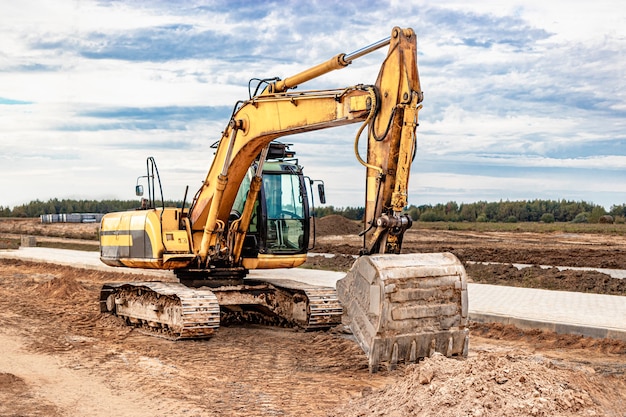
{"points": [[322, 193], [139, 190]]}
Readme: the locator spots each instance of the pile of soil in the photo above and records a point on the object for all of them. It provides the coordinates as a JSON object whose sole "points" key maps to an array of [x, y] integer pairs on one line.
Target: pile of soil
{"points": [[487, 384], [330, 263], [15, 396], [60, 287], [10, 382], [8, 243], [594, 256], [543, 339], [546, 278], [337, 225]]}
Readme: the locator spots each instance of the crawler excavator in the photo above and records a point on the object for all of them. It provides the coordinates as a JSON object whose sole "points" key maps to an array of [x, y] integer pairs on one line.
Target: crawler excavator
{"points": [[252, 212]]}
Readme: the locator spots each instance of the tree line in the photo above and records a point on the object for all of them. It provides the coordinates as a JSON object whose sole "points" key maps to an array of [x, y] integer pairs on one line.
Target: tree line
{"points": [[67, 206], [546, 211]]}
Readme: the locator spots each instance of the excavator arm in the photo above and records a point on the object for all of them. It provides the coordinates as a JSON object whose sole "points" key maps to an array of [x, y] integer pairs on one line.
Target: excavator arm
{"points": [[388, 109], [258, 122]]}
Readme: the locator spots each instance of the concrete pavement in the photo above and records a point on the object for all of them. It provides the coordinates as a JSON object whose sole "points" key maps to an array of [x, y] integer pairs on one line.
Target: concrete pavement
{"points": [[594, 315]]}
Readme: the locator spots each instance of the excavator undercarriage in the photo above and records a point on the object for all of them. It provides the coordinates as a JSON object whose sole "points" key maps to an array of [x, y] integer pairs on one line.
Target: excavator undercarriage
{"points": [[399, 308], [176, 311]]}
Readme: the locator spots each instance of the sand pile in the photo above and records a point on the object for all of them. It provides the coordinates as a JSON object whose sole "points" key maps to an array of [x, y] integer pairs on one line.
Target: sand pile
{"points": [[10, 382], [60, 287], [483, 385]]}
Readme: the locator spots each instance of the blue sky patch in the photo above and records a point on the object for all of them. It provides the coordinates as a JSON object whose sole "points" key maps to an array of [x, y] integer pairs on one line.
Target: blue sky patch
{"points": [[11, 102]]}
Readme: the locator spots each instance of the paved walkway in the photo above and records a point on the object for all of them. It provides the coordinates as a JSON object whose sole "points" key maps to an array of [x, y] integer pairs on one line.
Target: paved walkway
{"points": [[594, 315], [591, 315]]}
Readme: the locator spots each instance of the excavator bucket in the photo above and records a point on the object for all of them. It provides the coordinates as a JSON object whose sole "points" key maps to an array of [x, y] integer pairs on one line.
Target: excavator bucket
{"points": [[405, 307]]}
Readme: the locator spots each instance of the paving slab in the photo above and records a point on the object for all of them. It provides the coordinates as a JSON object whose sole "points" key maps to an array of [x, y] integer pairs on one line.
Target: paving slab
{"points": [[593, 315]]}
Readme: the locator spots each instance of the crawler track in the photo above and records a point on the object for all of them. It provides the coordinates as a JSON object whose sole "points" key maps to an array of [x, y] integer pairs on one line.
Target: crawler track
{"points": [[175, 311], [281, 302], [166, 309], [324, 308]]}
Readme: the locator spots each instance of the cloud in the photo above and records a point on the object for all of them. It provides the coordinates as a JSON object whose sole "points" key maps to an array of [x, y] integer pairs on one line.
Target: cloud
{"points": [[521, 99], [171, 118], [481, 30]]}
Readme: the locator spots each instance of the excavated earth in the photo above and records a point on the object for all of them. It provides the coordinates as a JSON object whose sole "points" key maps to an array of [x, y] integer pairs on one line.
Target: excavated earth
{"points": [[60, 357]]}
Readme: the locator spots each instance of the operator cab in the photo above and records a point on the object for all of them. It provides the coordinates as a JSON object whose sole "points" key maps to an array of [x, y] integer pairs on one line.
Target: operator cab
{"points": [[280, 222]]}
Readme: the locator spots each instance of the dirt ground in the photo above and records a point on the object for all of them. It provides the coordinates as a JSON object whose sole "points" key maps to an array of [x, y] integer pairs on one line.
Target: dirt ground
{"points": [[505, 248], [60, 357]]}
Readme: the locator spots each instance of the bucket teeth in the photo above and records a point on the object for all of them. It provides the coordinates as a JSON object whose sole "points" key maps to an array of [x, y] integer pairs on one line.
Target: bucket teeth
{"points": [[402, 308]]}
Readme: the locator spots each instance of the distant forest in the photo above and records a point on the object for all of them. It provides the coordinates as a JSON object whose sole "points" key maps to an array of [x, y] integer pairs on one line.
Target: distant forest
{"points": [[66, 206], [547, 211]]}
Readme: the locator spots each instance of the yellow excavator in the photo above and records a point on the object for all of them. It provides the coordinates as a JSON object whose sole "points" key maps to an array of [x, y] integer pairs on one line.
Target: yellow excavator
{"points": [[252, 212]]}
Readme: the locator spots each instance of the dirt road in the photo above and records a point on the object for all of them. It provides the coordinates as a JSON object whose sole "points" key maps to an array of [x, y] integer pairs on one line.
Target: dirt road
{"points": [[50, 313], [60, 357]]}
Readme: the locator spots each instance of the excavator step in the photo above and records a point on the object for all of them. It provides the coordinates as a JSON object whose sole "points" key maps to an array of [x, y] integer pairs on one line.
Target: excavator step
{"points": [[402, 308]]}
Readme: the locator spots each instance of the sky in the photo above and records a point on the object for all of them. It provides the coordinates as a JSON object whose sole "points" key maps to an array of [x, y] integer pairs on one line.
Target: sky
{"points": [[523, 99]]}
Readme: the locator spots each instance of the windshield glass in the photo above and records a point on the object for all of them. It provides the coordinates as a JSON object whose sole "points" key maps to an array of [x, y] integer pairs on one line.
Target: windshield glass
{"points": [[285, 212]]}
